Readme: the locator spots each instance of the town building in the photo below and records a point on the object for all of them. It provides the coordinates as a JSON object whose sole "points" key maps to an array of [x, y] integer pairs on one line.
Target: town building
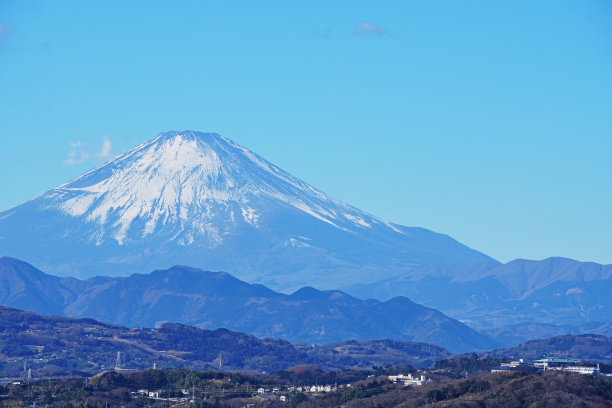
{"points": [[408, 379]]}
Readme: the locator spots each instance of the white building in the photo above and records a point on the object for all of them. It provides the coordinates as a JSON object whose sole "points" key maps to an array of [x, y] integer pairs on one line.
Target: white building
{"points": [[408, 379], [583, 370]]}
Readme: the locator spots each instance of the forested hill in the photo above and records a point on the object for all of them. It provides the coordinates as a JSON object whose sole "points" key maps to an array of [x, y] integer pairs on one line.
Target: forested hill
{"points": [[51, 344], [591, 347]]}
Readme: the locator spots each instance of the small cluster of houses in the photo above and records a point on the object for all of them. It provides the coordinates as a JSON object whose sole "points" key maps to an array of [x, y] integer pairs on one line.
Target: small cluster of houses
{"points": [[546, 364], [157, 395], [408, 379], [312, 389]]}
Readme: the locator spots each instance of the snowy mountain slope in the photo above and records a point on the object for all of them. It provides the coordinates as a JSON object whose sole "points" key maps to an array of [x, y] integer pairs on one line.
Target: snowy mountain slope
{"points": [[200, 199]]}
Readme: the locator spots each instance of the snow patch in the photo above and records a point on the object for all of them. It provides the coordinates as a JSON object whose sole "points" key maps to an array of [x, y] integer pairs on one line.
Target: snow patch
{"points": [[250, 216], [357, 220], [294, 243]]}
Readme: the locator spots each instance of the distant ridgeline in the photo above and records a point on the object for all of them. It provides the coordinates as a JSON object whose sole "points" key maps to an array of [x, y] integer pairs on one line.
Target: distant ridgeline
{"points": [[59, 346], [513, 302], [212, 300]]}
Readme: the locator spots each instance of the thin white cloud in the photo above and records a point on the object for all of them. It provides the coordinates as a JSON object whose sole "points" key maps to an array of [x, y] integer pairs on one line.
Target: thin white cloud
{"points": [[80, 152], [105, 150], [77, 154], [369, 29]]}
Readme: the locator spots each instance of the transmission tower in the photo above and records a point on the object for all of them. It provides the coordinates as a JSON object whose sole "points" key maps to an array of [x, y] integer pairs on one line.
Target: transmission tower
{"points": [[118, 362]]}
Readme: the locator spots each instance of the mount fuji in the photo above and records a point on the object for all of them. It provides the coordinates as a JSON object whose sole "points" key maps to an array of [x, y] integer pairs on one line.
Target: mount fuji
{"points": [[200, 199]]}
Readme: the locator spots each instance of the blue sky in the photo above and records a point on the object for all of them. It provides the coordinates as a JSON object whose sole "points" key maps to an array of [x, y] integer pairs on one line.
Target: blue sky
{"points": [[488, 121]]}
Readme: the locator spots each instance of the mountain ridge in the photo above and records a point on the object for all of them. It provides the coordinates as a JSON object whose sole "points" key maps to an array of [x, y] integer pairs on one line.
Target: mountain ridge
{"points": [[89, 346], [210, 300], [516, 301]]}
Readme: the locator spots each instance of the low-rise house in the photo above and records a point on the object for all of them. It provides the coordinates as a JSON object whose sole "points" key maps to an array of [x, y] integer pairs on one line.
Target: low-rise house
{"points": [[558, 364], [586, 370], [408, 379], [502, 369], [564, 364], [515, 363], [554, 363]]}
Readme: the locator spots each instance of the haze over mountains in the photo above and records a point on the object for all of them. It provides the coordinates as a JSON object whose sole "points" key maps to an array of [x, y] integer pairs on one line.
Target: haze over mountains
{"points": [[513, 302], [212, 300]]}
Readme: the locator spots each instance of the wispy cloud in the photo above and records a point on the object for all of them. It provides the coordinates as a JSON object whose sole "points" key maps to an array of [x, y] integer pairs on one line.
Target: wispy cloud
{"points": [[80, 152], [369, 29], [77, 154], [105, 150]]}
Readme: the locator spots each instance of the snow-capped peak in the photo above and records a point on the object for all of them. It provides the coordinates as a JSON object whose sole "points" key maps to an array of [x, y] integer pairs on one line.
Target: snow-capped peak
{"points": [[195, 185], [200, 199]]}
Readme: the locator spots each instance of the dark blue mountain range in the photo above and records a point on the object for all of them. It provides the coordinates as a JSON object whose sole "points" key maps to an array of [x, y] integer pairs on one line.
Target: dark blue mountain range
{"points": [[211, 300]]}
